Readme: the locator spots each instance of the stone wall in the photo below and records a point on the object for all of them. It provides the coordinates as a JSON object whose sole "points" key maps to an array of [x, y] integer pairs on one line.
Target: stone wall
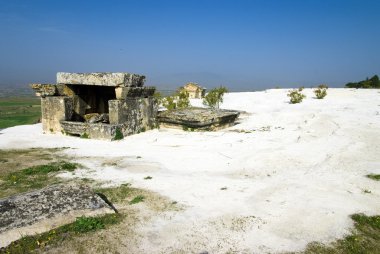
{"points": [[55, 109]]}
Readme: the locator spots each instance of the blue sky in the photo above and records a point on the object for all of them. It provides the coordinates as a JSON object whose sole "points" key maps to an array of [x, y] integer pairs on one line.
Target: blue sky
{"points": [[242, 44]]}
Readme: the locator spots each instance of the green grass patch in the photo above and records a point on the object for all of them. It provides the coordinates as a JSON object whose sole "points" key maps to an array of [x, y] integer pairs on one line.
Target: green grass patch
{"points": [[117, 194], [33, 177], [374, 177], [118, 135], [85, 135], [18, 111], [82, 225], [137, 199], [364, 239]]}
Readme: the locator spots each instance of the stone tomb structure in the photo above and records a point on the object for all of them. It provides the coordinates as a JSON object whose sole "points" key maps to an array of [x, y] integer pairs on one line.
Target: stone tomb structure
{"points": [[97, 105], [203, 119]]}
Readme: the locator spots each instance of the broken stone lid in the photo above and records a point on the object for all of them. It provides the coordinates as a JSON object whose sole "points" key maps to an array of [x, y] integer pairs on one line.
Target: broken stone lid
{"points": [[117, 79]]}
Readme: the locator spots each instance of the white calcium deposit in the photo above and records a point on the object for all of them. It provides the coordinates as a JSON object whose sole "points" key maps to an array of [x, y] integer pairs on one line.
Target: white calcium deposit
{"points": [[283, 176]]}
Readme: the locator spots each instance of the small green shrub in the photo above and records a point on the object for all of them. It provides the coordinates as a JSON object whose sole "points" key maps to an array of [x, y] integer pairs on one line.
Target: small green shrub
{"points": [[158, 97], [374, 177], [323, 86], [86, 224], [215, 97], [300, 89], [84, 135], [169, 103], [295, 96], [118, 134], [148, 178], [137, 199], [183, 99], [320, 93], [178, 100]]}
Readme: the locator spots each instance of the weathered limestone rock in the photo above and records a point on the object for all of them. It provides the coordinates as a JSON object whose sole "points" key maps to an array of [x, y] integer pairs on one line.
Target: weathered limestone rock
{"points": [[122, 79], [198, 118], [139, 114], [44, 209], [44, 90], [55, 109], [91, 130], [96, 118], [123, 92]]}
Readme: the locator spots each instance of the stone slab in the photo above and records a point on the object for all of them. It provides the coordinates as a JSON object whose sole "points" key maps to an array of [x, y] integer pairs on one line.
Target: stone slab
{"points": [[123, 92], [115, 79], [92, 130], [27, 208], [198, 118]]}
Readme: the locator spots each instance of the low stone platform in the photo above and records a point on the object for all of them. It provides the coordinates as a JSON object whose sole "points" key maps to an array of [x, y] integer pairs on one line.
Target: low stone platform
{"points": [[91, 130], [42, 210], [198, 118]]}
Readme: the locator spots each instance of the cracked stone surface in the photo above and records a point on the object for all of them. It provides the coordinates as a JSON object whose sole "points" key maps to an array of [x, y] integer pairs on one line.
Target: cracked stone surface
{"points": [[28, 208]]}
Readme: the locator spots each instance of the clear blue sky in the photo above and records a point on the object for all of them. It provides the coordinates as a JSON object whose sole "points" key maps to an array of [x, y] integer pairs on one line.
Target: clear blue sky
{"points": [[244, 45]]}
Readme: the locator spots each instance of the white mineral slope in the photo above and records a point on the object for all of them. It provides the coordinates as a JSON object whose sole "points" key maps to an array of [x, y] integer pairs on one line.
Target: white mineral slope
{"points": [[284, 176]]}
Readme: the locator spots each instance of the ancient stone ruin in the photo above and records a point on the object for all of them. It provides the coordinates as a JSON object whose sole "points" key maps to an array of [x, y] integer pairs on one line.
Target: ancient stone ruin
{"points": [[97, 105], [204, 119], [41, 210]]}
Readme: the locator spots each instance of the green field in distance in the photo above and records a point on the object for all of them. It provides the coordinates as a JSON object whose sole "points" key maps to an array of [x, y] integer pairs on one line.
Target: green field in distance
{"points": [[18, 111]]}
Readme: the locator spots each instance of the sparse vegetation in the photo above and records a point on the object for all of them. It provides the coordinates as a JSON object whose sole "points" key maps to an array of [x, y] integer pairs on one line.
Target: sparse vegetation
{"points": [[373, 82], [374, 177], [296, 96], [178, 100], [137, 199], [158, 97], [85, 136], [215, 97], [321, 91], [117, 194], [81, 225], [365, 238], [148, 178], [32, 178], [186, 128], [118, 135], [183, 99]]}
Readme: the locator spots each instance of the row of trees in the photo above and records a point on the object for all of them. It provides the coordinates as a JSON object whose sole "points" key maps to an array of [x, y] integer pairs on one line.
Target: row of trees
{"points": [[373, 82]]}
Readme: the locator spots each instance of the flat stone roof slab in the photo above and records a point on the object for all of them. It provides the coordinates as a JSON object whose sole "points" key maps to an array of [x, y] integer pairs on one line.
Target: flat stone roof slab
{"points": [[122, 79], [198, 118]]}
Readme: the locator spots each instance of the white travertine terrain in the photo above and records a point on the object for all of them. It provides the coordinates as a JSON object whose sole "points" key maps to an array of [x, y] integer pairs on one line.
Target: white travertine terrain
{"points": [[284, 176]]}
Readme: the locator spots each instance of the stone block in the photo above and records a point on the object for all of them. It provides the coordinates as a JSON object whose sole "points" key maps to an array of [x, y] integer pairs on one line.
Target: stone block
{"points": [[198, 118], [91, 130], [123, 92], [116, 79], [55, 109], [137, 114], [44, 90]]}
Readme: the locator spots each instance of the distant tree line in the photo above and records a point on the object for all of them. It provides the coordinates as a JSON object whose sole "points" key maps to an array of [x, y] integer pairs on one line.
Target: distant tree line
{"points": [[373, 82]]}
